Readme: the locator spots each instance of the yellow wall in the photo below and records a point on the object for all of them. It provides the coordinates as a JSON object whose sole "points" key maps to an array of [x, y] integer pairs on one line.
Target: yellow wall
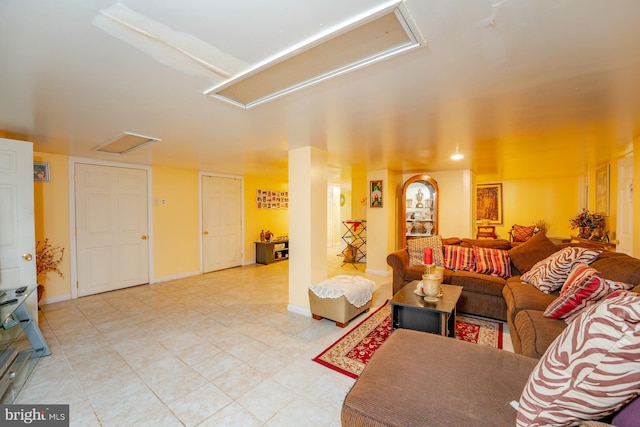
{"points": [[176, 237], [526, 201], [255, 220], [51, 205]]}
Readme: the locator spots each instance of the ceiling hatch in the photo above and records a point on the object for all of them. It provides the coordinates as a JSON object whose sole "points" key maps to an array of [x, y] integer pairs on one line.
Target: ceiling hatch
{"points": [[379, 35], [125, 142]]}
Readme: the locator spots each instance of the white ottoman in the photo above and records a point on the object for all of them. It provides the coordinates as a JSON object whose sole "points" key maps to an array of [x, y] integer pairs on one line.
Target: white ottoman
{"points": [[340, 298]]}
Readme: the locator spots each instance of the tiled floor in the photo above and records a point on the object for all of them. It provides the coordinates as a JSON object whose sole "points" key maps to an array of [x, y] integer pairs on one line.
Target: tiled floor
{"points": [[219, 349], [213, 350]]}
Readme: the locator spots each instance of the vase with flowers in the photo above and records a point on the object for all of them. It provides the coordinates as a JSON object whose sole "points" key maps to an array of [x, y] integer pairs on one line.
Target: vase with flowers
{"points": [[48, 259], [589, 224]]}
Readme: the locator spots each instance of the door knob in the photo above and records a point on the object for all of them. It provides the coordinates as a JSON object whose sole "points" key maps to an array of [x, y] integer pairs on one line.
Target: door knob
{"points": [[27, 257], [144, 237], [205, 232]]}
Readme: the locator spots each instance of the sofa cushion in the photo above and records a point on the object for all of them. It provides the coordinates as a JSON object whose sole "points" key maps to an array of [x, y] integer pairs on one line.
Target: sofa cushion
{"points": [[591, 370], [416, 250], [551, 273], [490, 261], [523, 296], [486, 243], [522, 233], [527, 254], [536, 332], [458, 258], [619, 267], [418, 379], [583, 287], [478, 283]]}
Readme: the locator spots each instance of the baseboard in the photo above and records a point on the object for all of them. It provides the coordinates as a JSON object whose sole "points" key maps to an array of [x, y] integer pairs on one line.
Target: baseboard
{"points": [[174, 277], [299, 310], [384, 273], [57, 298]]}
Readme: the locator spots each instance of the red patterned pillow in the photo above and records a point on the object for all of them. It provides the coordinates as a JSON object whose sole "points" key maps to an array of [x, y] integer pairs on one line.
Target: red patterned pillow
{"points": [[492, 261], [522, 233], [551, 273], [583, 287], [591, 370], [458, 258]]}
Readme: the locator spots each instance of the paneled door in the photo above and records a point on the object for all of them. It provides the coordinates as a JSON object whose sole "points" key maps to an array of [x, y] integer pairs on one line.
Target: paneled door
{"points": [[221, 223], [624, 225], [111, 228], [17, 235]]}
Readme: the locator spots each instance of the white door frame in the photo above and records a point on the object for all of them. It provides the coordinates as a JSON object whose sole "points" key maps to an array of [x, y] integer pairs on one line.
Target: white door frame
{"points": [[72, 213], [200, 207]]}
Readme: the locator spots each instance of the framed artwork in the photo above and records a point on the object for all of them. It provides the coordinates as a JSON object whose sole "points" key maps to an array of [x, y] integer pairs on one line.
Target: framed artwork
{"points": [[602, 190], [375, 196], [40, 172], [489, 203]]}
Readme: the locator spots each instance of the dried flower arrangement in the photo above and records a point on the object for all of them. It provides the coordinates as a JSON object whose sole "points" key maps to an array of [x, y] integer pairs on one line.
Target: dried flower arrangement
{"points": [[48, 258]]}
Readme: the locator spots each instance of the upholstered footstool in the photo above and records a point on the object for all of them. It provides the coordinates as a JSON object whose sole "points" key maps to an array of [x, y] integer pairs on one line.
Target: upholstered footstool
{"points": [[340, 298]]}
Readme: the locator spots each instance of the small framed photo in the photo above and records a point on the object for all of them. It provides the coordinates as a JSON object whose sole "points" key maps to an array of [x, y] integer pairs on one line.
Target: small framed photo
{"points": [[376, 194], [40, 172]]}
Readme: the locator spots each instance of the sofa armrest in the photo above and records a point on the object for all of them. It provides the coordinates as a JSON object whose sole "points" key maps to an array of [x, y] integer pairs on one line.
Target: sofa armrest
{"points": [[399, 262]]}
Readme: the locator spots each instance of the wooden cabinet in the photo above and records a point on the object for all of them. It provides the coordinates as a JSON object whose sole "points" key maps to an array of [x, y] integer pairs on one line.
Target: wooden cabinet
{"points": [[268, 252], [419, 207]]}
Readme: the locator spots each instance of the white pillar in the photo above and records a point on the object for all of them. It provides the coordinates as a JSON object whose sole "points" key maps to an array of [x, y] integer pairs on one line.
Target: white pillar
{"points": [[307, 224]]}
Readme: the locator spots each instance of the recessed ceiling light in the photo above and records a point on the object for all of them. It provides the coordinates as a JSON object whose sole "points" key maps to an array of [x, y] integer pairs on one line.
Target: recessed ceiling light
{"points": [[380, 34], [457, 156], [125, 142]]}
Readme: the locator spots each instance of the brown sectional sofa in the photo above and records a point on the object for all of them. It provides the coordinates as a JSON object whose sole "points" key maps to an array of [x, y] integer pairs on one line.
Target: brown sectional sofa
{"points": [[422, 379], [520, 304], [482, 293]]}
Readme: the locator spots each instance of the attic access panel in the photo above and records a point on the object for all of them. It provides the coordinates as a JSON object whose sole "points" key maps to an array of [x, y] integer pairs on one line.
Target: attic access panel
{"points": [[376, 37]]}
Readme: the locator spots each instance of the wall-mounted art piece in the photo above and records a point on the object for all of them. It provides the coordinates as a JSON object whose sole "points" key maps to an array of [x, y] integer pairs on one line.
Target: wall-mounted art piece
{"points": [[602, 190], [376, 194], [270, 199], [489, 203], [40, 172]]}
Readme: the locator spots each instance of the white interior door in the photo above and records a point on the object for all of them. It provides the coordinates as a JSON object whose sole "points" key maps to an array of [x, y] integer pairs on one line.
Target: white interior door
{"points": [[221, 223], [624, 226], [111, 228], [17, 235]]}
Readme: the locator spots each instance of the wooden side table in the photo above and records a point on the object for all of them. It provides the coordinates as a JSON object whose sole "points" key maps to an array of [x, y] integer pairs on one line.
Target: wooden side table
{"points": [[486, 232]]}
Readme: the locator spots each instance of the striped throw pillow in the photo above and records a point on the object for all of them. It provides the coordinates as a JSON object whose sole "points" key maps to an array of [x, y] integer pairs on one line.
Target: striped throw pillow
{"points": [[550, 274], [492, 261], [458, 258], [591, 370], [584, 287]]}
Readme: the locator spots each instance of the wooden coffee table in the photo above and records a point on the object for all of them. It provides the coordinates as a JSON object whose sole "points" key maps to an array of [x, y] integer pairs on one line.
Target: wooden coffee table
{"points": [[411, 311]]}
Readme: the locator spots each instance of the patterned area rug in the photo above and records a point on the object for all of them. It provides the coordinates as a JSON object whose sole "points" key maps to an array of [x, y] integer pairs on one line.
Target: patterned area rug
{"points": [[350, 354]]}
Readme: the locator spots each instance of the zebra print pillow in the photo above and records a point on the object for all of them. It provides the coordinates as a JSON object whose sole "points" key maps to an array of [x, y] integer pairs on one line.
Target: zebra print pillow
{"points": [[550, 274], [591, 370]]}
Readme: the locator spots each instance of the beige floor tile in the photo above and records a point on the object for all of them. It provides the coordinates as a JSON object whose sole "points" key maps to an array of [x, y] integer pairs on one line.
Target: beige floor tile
{"points": [[198, 405], [301, 412], [219, 349], [267, 399], [233, 415]]}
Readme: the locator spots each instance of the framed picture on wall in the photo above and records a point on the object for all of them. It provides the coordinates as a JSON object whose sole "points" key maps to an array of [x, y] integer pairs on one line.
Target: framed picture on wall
{"points": [[40, 172], [489, 203], [602, 190], [376, 194]]}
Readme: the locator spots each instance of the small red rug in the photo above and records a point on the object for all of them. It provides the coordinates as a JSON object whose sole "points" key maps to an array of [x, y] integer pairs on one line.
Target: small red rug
{"points": [[350, 354]]}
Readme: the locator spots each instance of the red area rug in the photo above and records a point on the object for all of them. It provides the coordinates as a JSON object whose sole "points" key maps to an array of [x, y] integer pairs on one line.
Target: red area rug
{"points": [[350, 354]]}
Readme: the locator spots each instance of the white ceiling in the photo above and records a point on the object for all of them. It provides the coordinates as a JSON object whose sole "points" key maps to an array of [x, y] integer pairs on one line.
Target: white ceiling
{"points": [[509, 83]]}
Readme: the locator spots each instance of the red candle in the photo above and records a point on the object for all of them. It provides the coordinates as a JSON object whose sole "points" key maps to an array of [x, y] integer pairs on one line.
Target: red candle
{"points": [[428, 256]]}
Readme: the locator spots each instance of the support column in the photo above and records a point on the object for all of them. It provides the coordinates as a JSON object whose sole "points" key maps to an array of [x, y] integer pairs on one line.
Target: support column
{"points": [[307, 224], [382, 222]]}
